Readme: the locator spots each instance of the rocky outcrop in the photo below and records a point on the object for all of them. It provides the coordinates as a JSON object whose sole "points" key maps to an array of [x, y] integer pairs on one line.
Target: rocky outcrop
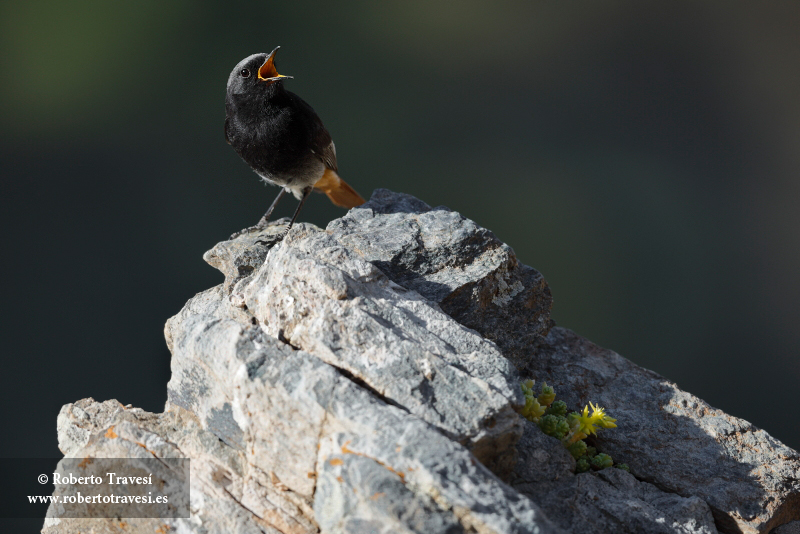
{"points": [[674, 440], [365, 378]]}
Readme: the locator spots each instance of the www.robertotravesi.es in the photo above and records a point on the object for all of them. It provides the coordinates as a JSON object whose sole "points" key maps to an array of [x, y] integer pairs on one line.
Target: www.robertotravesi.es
{"points": [[98, 499], [113, 479]]}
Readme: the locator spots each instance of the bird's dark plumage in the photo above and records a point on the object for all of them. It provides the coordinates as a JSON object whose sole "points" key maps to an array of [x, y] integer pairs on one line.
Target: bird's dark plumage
{"points": [[279, 135]]}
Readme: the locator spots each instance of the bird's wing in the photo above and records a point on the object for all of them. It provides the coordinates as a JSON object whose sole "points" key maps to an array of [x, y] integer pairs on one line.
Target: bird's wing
{"points": [[321, 143], [328, 155]]}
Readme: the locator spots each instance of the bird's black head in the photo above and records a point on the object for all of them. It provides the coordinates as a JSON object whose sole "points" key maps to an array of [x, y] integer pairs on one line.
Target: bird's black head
{"points": [[255, 74]]}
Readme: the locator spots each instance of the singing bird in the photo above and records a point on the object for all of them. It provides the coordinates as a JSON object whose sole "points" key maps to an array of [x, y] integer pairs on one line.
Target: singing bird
{"points": [[280, 136]]}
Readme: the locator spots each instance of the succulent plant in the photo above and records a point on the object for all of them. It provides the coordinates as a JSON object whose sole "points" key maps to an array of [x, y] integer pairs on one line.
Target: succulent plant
{"points": [[571, 428]]}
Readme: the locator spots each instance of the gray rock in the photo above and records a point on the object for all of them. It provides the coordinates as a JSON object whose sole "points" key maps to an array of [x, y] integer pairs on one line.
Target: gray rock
{"points": [[319, 296], [227, 494], [788, 528], [610, 500], [674, 440], [356, 494], [450, 260], [287, 404], [239, 257], [365, 378]]}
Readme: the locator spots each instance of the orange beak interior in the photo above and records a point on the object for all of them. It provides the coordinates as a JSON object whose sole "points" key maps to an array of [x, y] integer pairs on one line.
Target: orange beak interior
{"points": [[267, 71]]}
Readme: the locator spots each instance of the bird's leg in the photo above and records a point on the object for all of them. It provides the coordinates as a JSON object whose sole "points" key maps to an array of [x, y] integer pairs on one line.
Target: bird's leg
{"points": [[265, 219], [306, 192], [262, 223]]}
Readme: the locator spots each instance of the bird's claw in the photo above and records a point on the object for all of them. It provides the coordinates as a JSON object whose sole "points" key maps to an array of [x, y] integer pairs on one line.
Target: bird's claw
{"points": [[274, 240], [242, 232], [258, 227]]}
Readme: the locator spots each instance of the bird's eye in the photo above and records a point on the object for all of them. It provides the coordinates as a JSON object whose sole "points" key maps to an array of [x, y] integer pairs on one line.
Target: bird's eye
{"points": [[245, 73]]}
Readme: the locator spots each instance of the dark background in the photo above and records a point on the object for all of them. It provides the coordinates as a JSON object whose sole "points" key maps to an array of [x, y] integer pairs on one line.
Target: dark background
{"points": [[643, 156]]}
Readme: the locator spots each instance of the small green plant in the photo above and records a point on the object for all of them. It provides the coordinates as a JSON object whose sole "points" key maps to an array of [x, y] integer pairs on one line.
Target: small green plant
{"points": [[532, 411], [547, 396], [558, 408], [577, 449], [571, 428], [601, 461], [582, 465], [554, 425]]}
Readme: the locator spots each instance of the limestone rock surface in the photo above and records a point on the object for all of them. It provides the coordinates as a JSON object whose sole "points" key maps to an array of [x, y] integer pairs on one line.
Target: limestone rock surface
{"points": [[365, 378], [674, 440]]}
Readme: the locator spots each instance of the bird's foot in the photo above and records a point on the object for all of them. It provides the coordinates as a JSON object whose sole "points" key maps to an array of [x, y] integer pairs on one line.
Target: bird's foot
{"points": [[273, 239], [259, 227], [247, 230]]}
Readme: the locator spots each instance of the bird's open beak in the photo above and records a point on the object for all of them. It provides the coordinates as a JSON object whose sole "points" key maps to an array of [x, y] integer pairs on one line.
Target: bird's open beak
{"points": [[267, 72]]}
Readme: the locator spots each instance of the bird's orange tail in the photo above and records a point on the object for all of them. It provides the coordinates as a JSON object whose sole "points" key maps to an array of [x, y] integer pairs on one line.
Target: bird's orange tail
{"points": [[338, 190]]}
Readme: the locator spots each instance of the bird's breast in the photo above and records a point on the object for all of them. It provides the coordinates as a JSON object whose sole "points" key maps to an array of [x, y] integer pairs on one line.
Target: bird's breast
{"points": [[273, 144]]}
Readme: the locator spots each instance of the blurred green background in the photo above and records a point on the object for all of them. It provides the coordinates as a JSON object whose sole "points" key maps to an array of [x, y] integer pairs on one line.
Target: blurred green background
{"points": [[642, 155]]}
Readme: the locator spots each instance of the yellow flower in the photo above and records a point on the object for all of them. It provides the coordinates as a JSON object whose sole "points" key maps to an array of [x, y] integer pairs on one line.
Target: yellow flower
{"points": [[603, 420], [589, 423]]}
